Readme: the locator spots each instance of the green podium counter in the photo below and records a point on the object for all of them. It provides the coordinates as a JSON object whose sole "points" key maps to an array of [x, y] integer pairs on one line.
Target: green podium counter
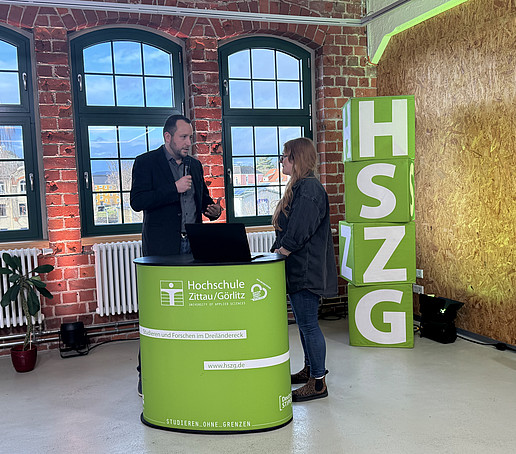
{"points": [[214, 344]]}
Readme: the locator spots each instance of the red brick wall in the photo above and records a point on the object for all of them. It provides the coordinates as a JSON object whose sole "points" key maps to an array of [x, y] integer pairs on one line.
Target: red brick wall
{"points": [[341, 71]]}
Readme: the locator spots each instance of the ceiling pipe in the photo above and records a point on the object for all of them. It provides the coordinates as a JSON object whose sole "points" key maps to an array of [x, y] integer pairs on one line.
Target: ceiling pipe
{"points": [[207, 13], [381, 12], [187, 12]]}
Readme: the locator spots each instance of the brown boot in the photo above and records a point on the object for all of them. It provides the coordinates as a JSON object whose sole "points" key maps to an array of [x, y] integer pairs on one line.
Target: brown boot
{"points": [[301, 377], [314, 389]]}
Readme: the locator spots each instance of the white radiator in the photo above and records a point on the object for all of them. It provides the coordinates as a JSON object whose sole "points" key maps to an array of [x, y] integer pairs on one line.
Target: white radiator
{"points": [[115, 273], [261, 241], [12, 315]]}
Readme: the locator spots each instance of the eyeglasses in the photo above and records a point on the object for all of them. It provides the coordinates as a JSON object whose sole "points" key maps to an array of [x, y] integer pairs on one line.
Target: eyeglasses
{"points": [[282, 158]]}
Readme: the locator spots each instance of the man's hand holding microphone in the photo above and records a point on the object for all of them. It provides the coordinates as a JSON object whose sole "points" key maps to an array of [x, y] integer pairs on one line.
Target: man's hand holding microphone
{"points": [[184, 184]]}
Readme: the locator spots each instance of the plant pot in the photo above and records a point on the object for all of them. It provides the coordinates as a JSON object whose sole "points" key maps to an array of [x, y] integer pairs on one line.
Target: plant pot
{"points": [[24, 360]]}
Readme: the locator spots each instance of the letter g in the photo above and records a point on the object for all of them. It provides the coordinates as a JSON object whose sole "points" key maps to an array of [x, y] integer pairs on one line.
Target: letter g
{"points": [[398, 333]]}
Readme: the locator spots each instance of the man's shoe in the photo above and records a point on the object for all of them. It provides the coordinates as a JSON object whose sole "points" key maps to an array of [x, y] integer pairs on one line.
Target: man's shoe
{"points": [[314, 389], [301, 377]]}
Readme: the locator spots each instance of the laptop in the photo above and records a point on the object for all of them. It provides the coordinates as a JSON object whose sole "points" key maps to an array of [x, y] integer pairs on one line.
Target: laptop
{"points": [[219, 242]]}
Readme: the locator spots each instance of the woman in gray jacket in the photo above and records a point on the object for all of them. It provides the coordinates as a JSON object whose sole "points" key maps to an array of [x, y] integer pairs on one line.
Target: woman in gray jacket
{"points": [[303, 234]]}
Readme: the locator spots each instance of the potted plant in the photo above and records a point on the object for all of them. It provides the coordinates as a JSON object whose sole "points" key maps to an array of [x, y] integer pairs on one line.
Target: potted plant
{"points": [[24, 286]]}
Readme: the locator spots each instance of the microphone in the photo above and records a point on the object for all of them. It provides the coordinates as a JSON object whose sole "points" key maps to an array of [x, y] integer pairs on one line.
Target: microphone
{"points": [[186, 169]]}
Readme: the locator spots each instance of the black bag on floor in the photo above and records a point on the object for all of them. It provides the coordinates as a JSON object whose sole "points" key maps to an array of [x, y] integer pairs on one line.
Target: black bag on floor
{"points": [[438, 318]]}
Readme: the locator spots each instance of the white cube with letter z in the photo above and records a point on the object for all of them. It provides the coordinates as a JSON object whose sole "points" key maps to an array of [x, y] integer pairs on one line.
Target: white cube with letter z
{"points": [[370, 254]]}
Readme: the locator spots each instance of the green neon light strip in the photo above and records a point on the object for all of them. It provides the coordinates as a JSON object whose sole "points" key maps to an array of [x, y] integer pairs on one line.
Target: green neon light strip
{"points": [[411, 23]]}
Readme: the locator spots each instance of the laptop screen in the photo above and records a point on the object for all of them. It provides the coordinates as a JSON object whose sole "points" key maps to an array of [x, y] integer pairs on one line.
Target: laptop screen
{"points": [[219, 242]]}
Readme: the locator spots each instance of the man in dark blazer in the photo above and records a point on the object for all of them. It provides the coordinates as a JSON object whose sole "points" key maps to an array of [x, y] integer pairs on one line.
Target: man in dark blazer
{"points": [[168, 186]]}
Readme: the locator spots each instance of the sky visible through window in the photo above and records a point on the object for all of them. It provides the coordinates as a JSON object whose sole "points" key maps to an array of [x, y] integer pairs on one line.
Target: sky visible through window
{"points": [[128, 74], [264, 79]]}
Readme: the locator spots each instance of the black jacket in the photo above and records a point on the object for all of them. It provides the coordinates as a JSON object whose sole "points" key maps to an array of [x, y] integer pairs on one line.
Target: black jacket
{"points": [[306, 233], [154, 192]]}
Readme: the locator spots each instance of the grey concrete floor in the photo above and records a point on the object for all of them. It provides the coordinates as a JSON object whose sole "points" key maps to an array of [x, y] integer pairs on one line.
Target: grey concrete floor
{"points": [[455, 398]]}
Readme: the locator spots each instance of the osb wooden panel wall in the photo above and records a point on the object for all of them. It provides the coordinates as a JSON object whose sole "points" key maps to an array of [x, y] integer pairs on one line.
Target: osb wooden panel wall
{"points": [[461, 66]]}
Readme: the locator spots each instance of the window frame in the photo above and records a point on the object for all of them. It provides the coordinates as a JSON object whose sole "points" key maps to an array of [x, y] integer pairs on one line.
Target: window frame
{"points": [[24, 115], [260, 117], [115, 116]]}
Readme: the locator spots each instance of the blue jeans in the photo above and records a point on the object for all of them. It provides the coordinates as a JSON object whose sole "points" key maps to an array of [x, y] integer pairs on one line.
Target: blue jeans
{"points": [[305, 306]]}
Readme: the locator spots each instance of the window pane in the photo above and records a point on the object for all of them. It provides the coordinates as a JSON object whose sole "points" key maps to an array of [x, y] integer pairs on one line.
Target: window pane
{"points": [[129, 91], [287, 133], [267, 170], [289, 95], [128, 84], [263, 64], [158, 92], [127, 170], [17, 180], [97, 59], [264, 95], [128, 58], [107, 209], [288, 67], [12, 177], [239, 65], [8, 56], [9, 88], [266, 140], [11, 142], [242, 140], [244, 202], [105, 176], [240, 94], [155, 137], [130, 216], [273, 74], [99, 90], [102, 141], [267, 199], [133, 141], [156, 62], [13, 213], [243, 172]]}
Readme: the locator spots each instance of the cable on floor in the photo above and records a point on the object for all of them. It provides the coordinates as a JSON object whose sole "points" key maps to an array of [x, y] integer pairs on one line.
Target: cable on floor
{"points": [[498, 345]]}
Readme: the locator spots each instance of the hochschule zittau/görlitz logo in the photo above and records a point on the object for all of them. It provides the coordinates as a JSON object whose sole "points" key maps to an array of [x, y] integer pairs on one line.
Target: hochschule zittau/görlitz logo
{"points": [[172, 291]]}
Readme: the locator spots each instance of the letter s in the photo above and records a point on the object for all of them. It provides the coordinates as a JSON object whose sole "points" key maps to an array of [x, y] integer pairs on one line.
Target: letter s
{"points": [[386, 197]]}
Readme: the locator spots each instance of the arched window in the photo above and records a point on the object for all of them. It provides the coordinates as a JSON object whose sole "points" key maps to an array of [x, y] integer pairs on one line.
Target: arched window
{"points": [[18, 154], [126, 83], [266, 99]]}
